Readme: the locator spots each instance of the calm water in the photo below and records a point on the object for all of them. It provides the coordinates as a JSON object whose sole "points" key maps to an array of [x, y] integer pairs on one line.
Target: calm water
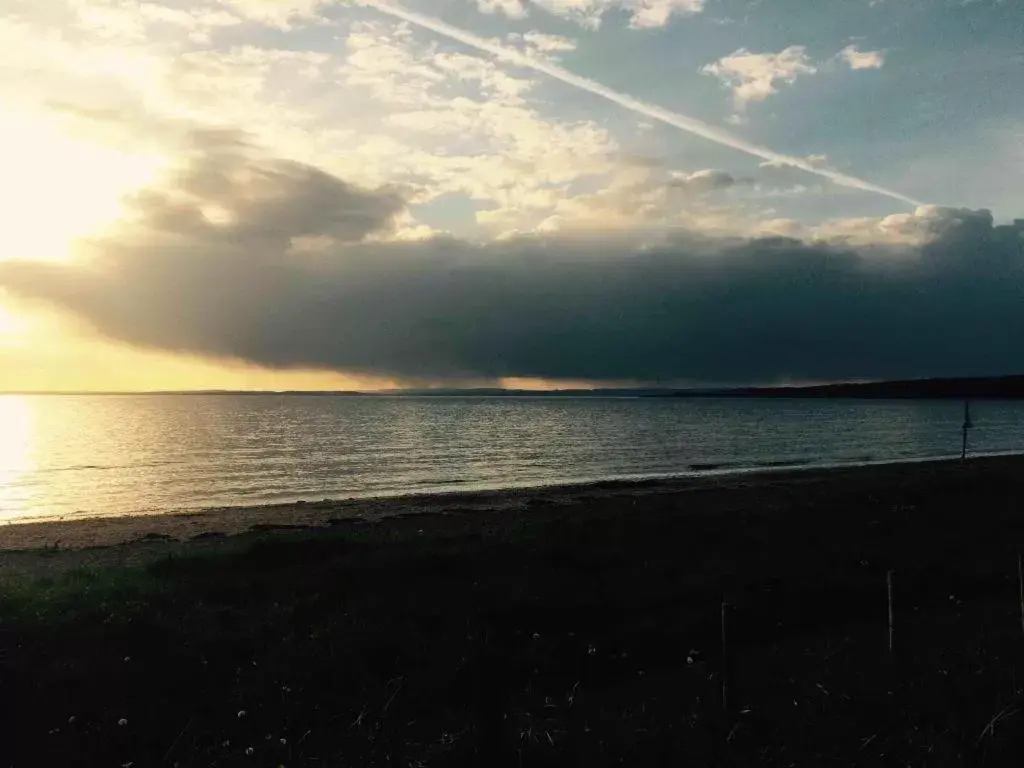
{"points": [[102, 455]]}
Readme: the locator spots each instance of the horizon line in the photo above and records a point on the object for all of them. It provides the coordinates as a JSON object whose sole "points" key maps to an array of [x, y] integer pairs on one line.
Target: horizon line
{"points": [[720, 387]]}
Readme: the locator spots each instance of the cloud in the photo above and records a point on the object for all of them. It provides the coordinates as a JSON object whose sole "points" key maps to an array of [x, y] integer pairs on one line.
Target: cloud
{"points": [[643, 14], [137, 22], [438, 121], [702, 182], [207, 264], [225, 188], [455, 123], [514, 9], [779, 174], [755, 76], [640, 195], [815, 161], [281, 14], [536, 43], [862, 59], [549, 43], [648, 14], [680, 121]]}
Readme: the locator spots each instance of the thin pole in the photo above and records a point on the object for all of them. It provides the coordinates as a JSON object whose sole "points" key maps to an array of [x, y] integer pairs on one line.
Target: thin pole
{"points": [[888, 584]]}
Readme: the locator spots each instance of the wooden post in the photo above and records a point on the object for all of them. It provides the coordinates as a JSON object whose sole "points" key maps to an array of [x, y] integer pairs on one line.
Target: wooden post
{"points": [[888, 584]]}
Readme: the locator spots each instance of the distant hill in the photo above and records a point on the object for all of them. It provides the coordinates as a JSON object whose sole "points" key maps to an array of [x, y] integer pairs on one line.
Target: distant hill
{"points": [[979, 388], [498, 392]]}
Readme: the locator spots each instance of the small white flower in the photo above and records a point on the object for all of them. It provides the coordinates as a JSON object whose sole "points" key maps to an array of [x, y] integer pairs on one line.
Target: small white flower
{"points": [[241, 714], [249, 750], [122, 722], [284, 741], [71, 720], [536, 635], [689, 659], [591, 650], [127, 659]]}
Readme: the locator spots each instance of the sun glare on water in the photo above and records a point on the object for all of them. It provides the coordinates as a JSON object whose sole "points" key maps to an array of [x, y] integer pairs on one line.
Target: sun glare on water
{"points": [[55, 188], [15, 454]]}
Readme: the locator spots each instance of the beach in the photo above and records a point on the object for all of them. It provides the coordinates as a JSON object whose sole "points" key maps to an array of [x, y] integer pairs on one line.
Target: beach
{"points": [[701, 493], [570, 625]]}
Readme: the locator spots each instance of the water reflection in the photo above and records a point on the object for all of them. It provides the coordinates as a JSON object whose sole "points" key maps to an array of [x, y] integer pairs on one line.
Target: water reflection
{"points": [[16, 430], [66, 456]]}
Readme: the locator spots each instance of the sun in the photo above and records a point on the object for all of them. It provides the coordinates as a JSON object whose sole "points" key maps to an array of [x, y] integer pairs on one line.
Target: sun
{"points": [[55, 188], [10, 324]]}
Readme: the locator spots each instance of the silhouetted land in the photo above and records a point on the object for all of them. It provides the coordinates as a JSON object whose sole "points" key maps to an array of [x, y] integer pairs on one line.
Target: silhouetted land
{"points": [[583, 631], [990, 388], [977, 388]]}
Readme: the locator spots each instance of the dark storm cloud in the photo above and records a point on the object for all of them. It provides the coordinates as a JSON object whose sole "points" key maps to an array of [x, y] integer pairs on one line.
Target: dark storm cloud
{"points": [[269, 261]]}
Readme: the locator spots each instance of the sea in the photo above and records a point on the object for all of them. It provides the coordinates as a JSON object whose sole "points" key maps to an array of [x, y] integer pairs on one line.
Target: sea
{"points": [[66, 456]]}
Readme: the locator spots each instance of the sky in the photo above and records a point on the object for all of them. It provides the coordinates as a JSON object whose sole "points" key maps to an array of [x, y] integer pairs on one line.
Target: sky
{"points": [[359, 194]]}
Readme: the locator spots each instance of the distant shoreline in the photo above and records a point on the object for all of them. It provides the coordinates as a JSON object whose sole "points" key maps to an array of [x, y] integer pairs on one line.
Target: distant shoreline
{"points": [[969, 388]]}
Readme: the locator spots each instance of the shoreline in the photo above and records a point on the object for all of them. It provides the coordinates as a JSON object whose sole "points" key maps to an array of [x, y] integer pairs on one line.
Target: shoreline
{"points": [[711, 470], [206, 524]]}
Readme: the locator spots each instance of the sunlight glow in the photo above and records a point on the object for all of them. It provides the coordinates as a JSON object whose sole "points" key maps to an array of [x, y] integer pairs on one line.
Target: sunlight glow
{"points": [[11, 325], [55, 188]]}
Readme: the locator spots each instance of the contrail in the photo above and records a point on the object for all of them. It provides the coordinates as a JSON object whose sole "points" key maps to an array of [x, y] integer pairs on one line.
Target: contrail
{"points": [[682, 122]]}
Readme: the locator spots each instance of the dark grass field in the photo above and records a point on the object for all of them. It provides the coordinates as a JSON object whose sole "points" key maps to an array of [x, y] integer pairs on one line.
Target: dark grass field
{"points": [[586, 634]]}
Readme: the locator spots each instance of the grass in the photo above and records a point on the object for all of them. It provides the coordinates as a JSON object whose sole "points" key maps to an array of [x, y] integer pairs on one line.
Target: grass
{"points": [[583, 635]]}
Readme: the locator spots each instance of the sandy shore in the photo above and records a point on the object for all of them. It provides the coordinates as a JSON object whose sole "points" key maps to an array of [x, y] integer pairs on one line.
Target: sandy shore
{"points": [[90, 532], [64, 544], [195, 525]]}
